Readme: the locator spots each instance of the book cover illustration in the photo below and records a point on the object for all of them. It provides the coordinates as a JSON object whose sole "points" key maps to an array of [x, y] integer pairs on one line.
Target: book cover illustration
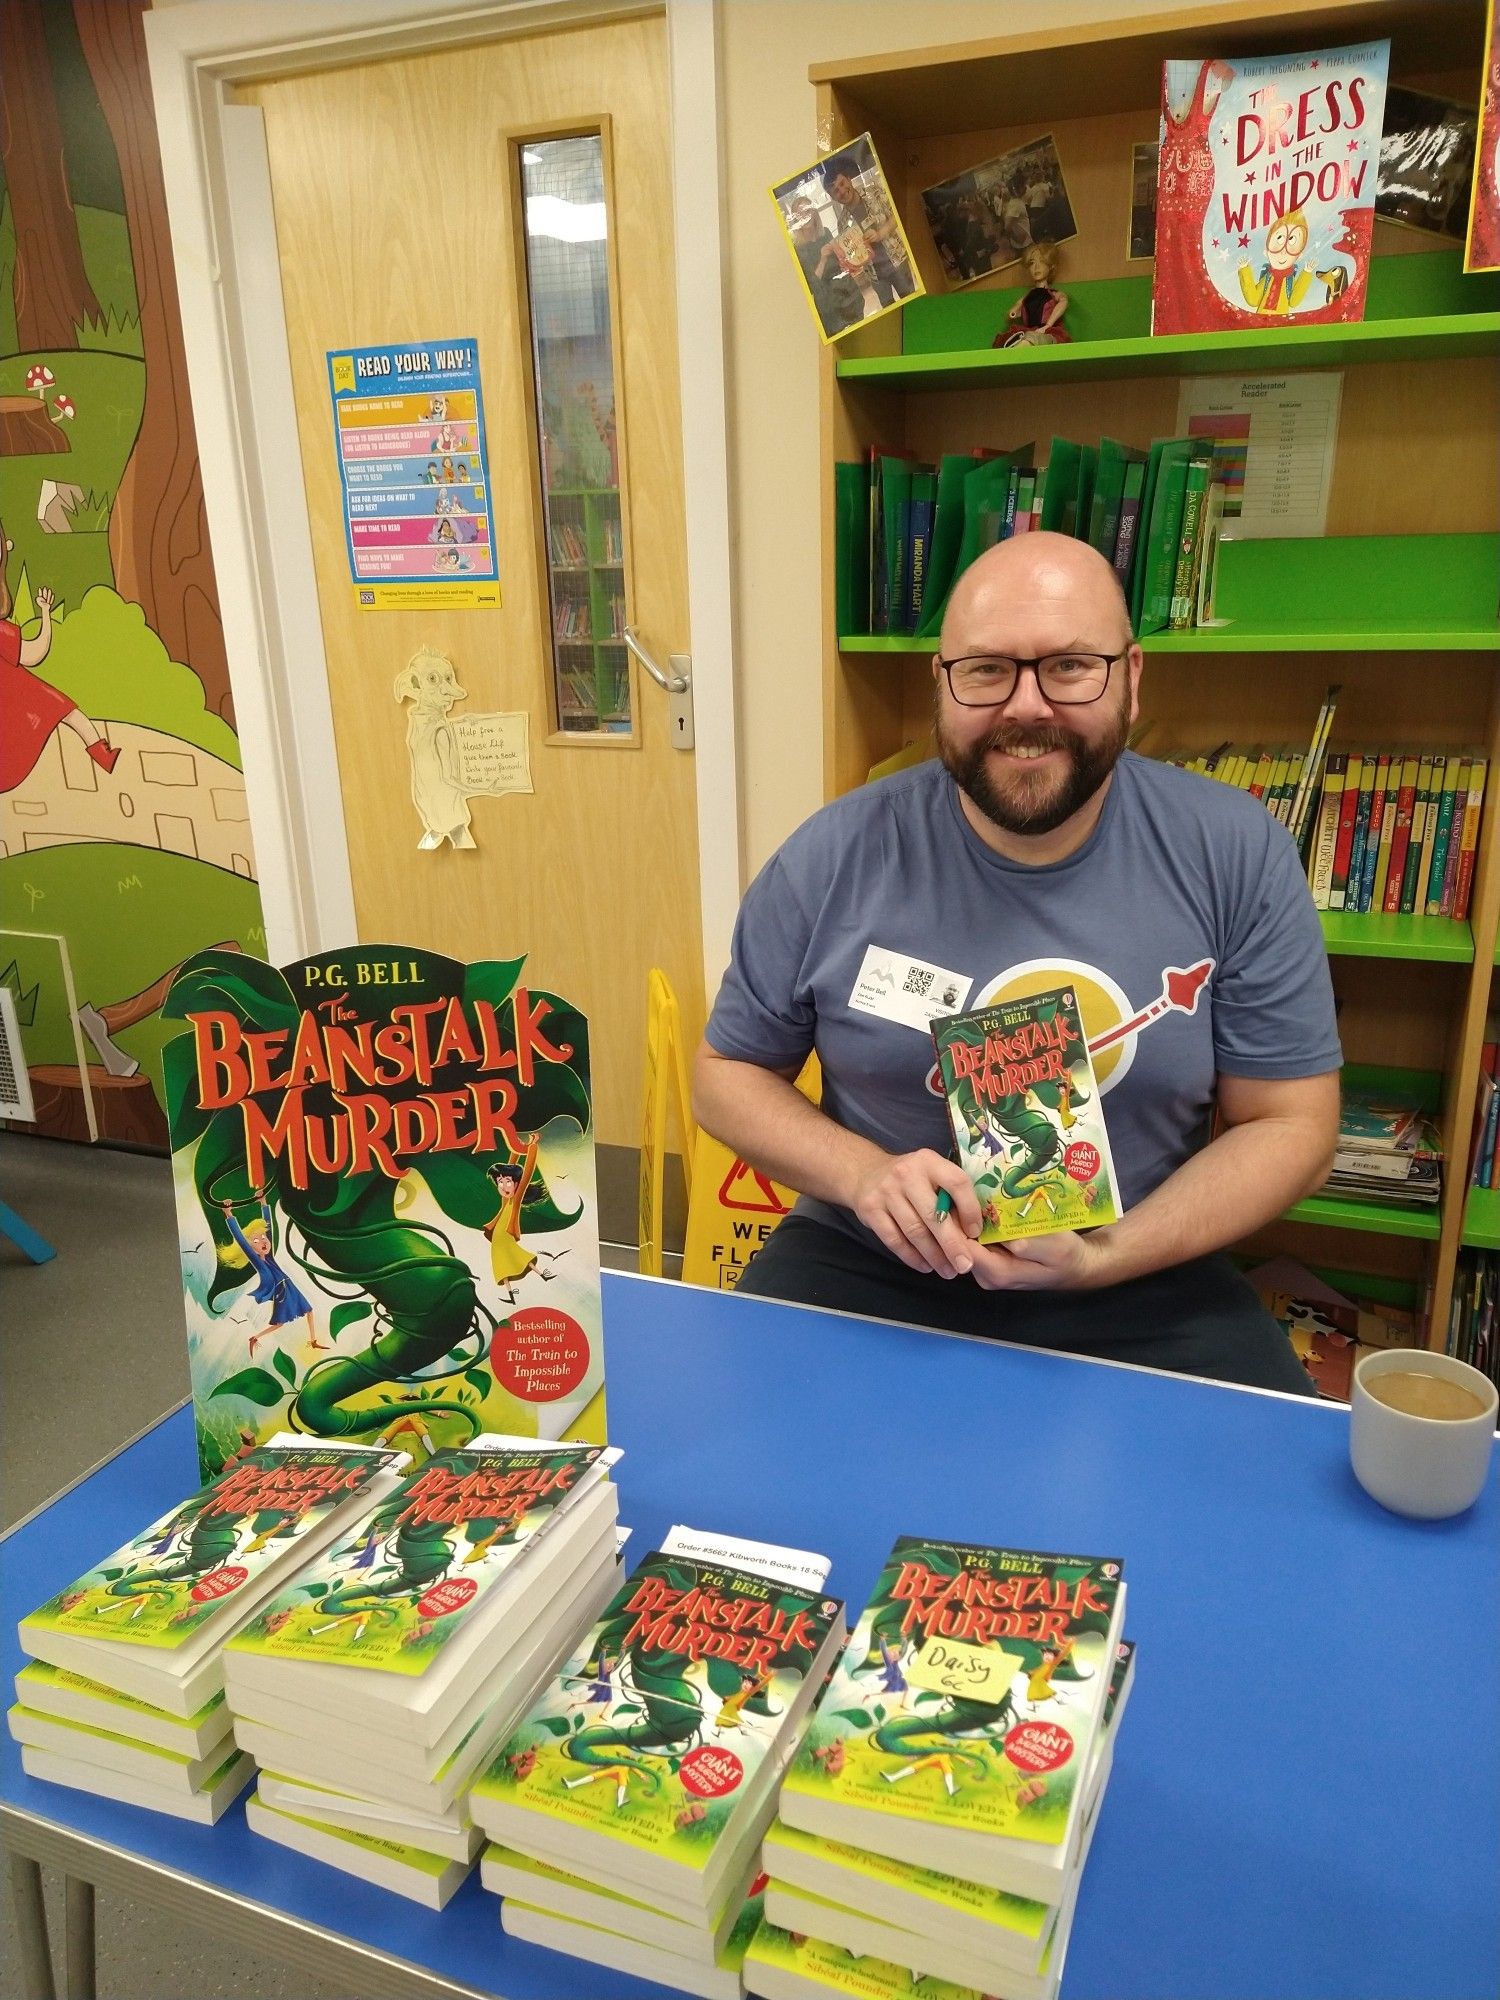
{"points": [[969, 1693], [655, 1728], [164, 1583], [384, 1171], [1026, 1115], [1482, 249], [1266, 189], [392, 1593]]}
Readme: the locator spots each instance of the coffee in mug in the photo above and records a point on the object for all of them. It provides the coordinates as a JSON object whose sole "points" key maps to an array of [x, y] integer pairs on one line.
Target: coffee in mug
{"points": [[1421, 1431], [1421, 1395]]}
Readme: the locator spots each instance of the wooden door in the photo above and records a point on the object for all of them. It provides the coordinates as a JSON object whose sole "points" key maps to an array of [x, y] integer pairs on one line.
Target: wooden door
{"points": [[400, 217]]}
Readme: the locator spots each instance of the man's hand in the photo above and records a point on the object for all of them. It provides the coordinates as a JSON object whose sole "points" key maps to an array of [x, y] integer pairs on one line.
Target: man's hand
{"points": [[896, 1197], [1062, 1262]]}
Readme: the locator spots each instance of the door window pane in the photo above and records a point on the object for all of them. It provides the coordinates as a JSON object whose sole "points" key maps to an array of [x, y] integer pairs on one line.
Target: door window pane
{"points": [[562, 189]]}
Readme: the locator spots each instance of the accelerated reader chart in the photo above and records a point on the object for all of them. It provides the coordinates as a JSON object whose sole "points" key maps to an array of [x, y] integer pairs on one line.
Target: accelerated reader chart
{"points": [[414, 472]]}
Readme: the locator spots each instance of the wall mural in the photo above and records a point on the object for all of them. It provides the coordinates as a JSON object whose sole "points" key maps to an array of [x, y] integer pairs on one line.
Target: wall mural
{"points": [[123, 823]]}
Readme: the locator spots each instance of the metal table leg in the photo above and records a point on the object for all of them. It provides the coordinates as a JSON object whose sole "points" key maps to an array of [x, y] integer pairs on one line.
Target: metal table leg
{"points": [[31, 1928], [79, 1964]]}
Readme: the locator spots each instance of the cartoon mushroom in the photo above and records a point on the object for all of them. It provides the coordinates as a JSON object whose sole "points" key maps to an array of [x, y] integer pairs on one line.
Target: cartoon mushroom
{"points": [[39, 379], [64, 407]]}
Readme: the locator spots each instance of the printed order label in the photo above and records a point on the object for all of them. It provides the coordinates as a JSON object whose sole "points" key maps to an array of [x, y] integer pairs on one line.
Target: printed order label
{"points": [[949, 1666], [906, 990]]}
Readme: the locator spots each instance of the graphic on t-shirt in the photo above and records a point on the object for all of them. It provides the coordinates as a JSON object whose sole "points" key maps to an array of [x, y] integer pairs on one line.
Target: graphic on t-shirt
{"points": [[1110, 1019]]}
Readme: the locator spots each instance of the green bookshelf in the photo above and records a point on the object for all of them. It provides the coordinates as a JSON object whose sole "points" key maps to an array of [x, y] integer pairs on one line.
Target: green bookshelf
{"points": [[1296, 596], [1438, 939], [1378, 1218], [1420, 308], [1482, 1219]]}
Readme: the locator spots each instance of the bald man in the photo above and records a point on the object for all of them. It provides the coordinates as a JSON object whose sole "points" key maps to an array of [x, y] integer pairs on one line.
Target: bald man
{"points": [[1036, 844]]}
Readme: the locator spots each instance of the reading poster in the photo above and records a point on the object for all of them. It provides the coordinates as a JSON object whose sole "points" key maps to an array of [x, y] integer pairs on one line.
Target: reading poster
{"points": [[414, 469]]}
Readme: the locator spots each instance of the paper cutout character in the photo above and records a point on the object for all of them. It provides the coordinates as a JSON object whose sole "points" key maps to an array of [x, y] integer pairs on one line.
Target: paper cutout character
{"points": [[273, 1287], [429, 683]]}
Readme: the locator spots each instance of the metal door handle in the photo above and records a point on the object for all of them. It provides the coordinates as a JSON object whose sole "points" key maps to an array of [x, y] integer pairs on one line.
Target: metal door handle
{"points": [[673, 683]]}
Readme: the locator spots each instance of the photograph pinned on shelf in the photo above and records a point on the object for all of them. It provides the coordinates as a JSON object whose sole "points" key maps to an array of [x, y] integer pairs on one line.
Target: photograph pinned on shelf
{"points": [[840, 220], [1426, 162], [1143, 163], [989, 216]]}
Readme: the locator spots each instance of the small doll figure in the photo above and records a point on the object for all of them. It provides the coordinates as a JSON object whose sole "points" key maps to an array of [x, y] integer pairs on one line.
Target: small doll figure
{"points": [[1035, 320]]}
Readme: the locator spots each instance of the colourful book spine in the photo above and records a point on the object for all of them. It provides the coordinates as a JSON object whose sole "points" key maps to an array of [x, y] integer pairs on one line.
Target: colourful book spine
{"points": [[1289, 785], [1012, 488], [1338, 888], [1406, 806], [1464, 881], [1455, 835], [1328, 828], [1260, 777], [1455, 786], [1376, 828], [1412, 870], [1361, 834], [1194, 492], [1387, 833]]}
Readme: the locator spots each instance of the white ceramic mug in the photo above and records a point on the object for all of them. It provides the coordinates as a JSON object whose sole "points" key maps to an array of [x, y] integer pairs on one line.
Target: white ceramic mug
{"points": [[1426, 1467]]}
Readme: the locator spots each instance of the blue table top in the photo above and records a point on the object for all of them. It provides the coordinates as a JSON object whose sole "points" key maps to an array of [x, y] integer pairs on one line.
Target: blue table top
{"points": [[1306, 1795]]}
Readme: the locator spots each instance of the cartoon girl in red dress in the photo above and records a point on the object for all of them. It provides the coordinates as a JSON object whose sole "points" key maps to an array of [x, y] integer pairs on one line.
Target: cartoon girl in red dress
{"points": [[32, 708]]}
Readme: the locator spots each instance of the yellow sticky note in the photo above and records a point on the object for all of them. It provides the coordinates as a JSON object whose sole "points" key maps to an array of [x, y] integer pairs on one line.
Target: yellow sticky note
{"points": [[343, 373], [976, 1673]]}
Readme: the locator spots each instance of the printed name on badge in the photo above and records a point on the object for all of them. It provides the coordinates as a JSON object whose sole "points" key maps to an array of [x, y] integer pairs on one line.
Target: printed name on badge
{"points": [[907, 990]]}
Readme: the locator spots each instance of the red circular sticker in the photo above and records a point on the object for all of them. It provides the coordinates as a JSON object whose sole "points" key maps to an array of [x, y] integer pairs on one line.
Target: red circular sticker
{"points": [[539, 1354], [452, 1594], [1038, 1746], [1081, 1161], [219, 1582], [708, 1773]]}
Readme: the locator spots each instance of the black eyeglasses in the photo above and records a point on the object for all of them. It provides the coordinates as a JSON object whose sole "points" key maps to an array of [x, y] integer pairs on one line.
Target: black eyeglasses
{"points": [[988, 680]]}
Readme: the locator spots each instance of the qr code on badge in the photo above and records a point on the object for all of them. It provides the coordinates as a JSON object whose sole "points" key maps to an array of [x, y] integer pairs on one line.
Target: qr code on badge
{"points": [[918, 982]]}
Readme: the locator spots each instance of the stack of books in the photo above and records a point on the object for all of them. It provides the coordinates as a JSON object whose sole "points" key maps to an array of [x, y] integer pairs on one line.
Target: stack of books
{"points": [[1284, 780], [125, 1693], [374, 1686], [627, 1810], [1474, 1316], [1484, 1142], [1387, 1150], [937, 1816]]}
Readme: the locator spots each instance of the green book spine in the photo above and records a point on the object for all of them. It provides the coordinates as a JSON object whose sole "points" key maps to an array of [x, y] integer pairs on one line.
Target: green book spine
{"points": [[895, 500], [851, 547], [1061, 486], [1442, 840], [1088, 472], [1161, 545], [1181, 615], [1104, 508]]}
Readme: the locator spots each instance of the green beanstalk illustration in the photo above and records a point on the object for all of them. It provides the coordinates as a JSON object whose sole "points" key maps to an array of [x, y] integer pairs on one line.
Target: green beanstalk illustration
{"points": [[426, 1352]]}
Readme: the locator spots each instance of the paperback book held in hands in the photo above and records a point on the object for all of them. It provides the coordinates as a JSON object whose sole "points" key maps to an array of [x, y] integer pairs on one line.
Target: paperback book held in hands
{"points": [[1025, 1110], [959, 1725], [1266, 189]]}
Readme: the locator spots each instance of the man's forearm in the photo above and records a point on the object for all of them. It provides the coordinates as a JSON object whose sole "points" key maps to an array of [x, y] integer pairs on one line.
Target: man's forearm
{"points": [[767, 1121], [1246, 1178]]}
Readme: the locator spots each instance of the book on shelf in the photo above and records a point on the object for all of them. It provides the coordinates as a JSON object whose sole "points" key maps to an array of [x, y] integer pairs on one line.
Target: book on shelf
{"points": [[1265, 215], [1025, 1111], [1330, 1331], [1387, 1150], [650, 1762], [985, 1782], [1473, 1313], [1486, 1127], [940, 1923], [151, 1620]]}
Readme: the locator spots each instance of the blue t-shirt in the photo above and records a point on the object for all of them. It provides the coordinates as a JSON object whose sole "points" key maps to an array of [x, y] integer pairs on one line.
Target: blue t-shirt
{"points": [[1183, 924]]}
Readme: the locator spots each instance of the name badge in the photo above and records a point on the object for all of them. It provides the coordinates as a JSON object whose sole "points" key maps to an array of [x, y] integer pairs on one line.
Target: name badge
{"points": [[907, 990]]}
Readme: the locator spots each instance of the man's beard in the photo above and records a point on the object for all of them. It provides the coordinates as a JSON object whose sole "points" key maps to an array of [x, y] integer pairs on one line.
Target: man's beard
{"points": [[1032, 801]]}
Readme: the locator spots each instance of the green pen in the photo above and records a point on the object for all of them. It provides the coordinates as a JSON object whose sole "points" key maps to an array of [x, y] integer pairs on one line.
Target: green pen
{"points": [[944, 1205]]}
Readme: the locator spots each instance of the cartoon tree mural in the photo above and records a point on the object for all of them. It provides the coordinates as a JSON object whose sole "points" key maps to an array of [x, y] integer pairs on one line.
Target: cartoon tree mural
{"points": [[53, 295], [158, 534]]}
